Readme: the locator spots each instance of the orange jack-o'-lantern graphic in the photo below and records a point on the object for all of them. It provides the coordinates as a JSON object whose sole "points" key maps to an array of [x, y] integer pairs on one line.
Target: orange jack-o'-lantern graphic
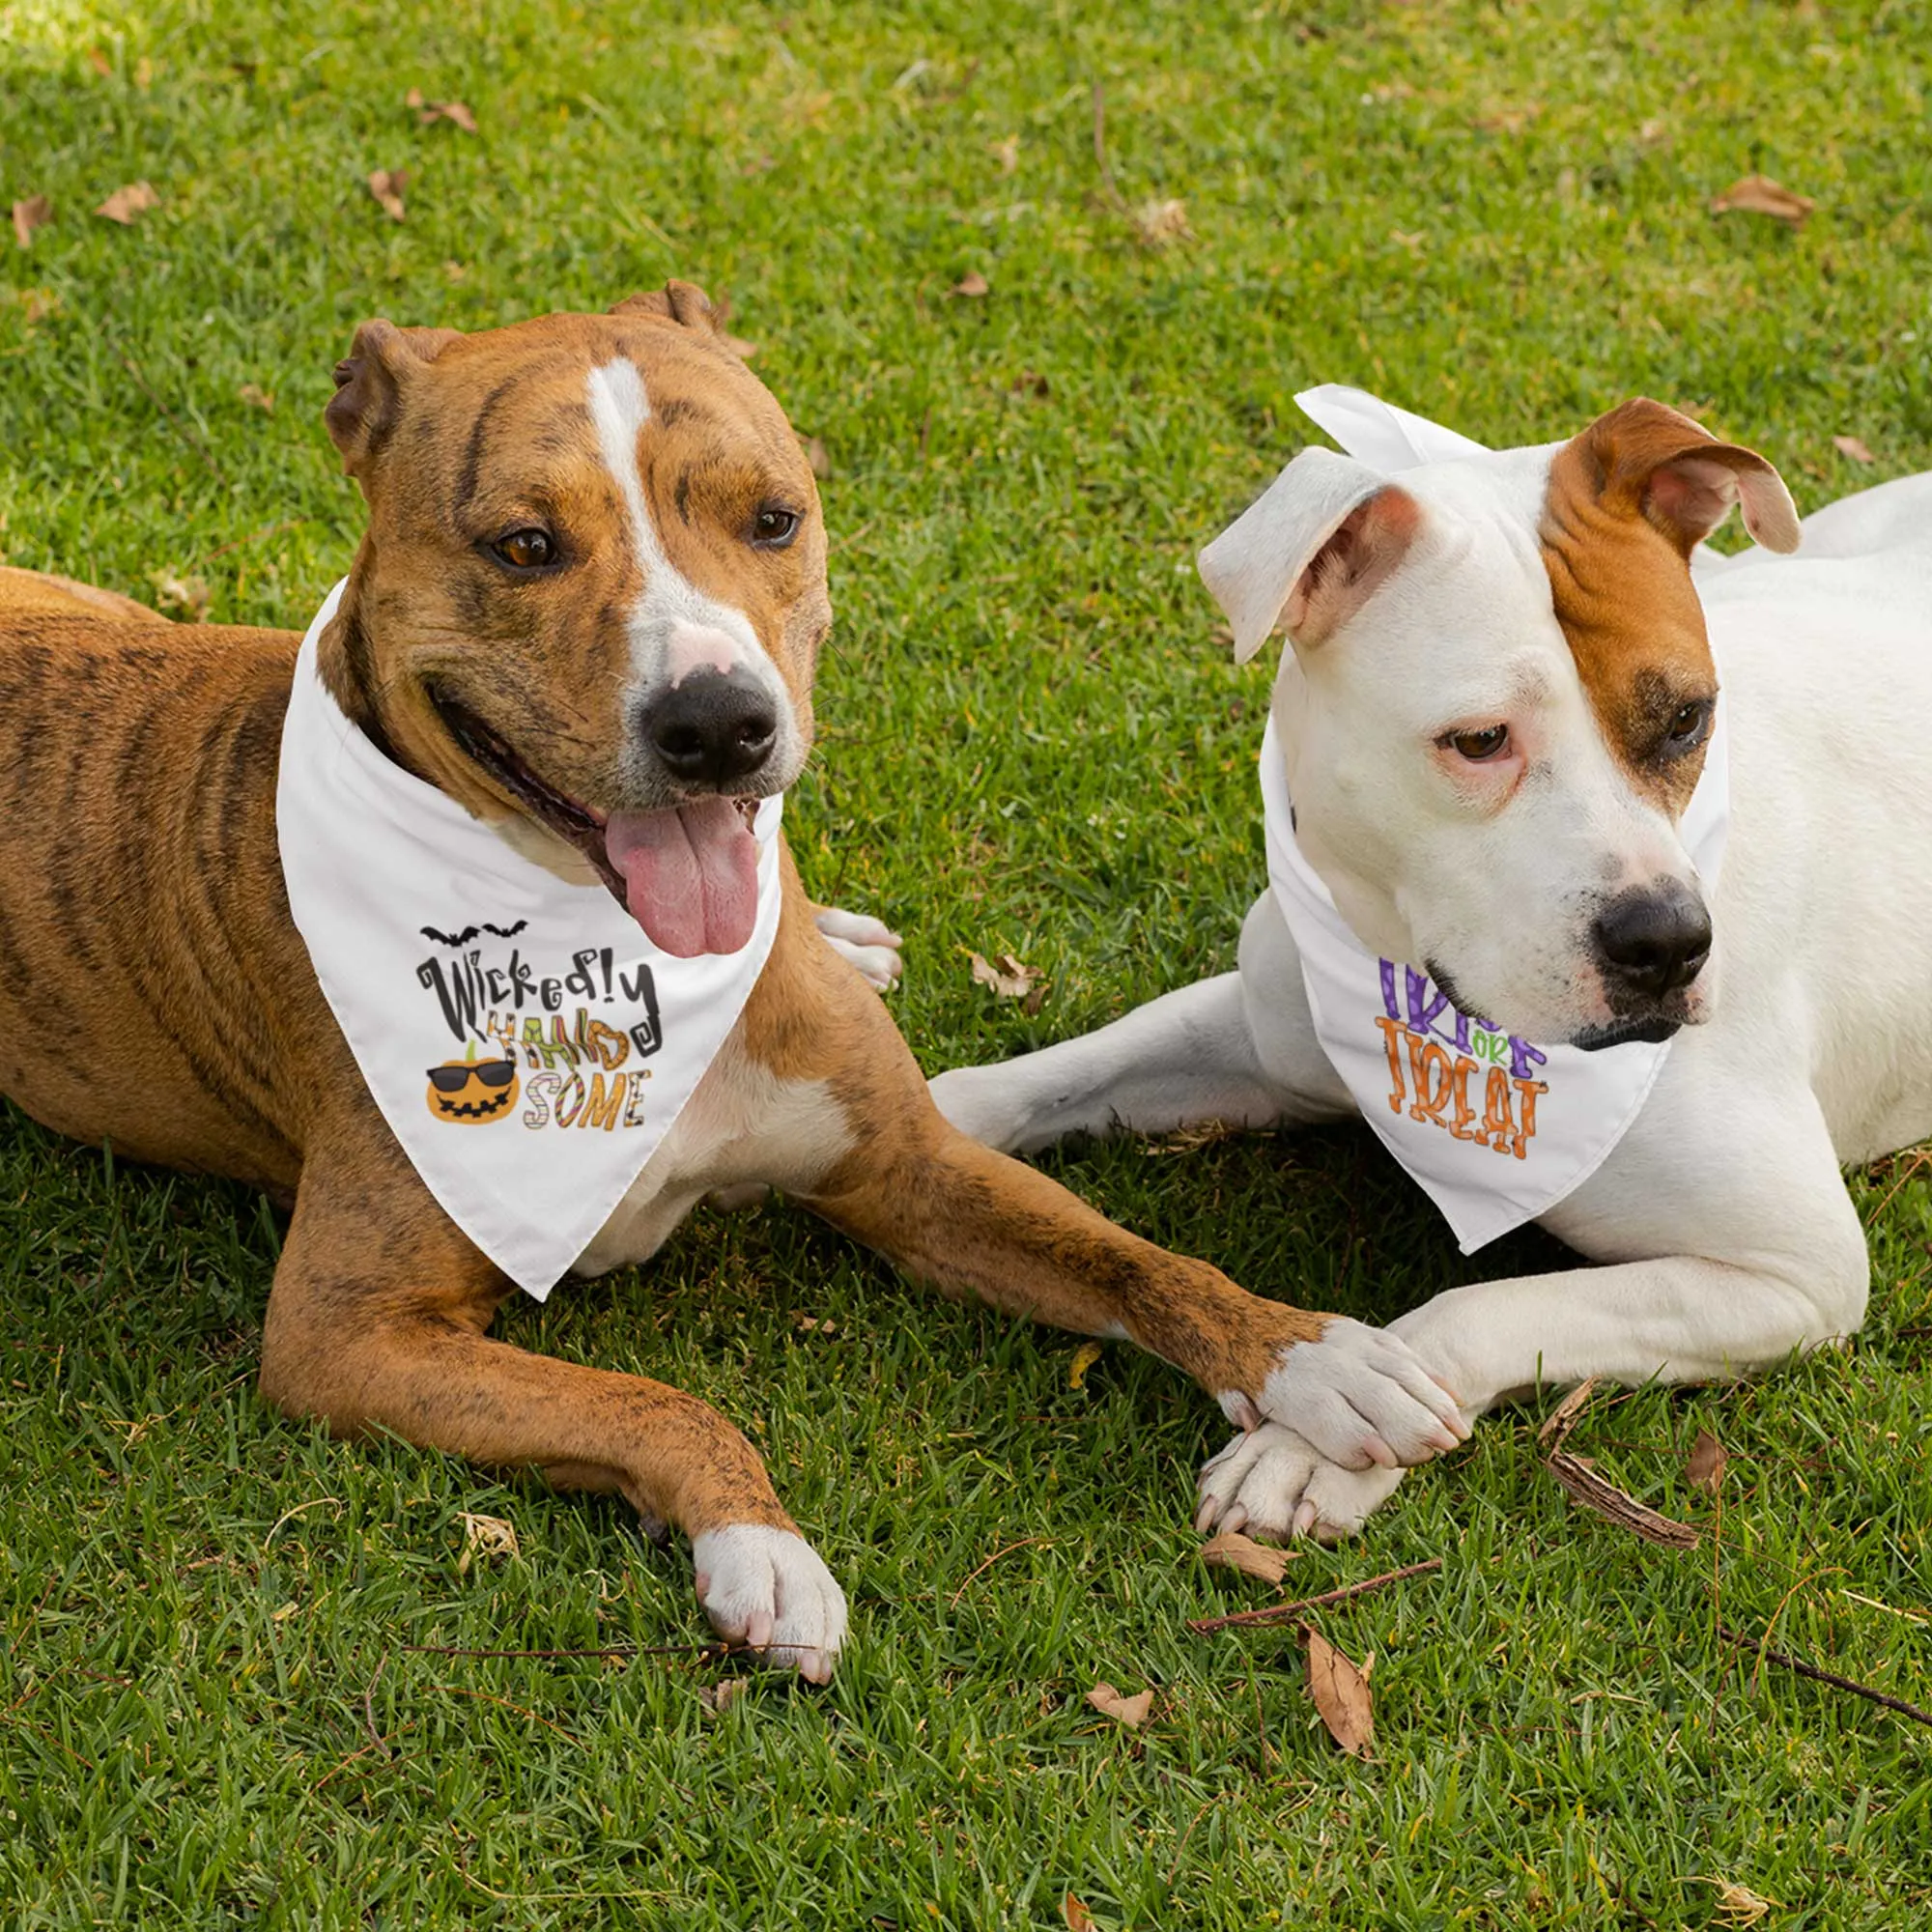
{"points": [[472, 1090]]}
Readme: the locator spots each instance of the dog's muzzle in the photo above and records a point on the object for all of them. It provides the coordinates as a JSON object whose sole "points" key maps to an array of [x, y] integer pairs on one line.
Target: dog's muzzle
{"points": [[1651, 942]]}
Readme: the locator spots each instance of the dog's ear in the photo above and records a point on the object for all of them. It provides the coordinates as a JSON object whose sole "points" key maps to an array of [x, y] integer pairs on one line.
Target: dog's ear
{"points": [[1310, 551], [369, 386], [682, 302], [1649, 461]]}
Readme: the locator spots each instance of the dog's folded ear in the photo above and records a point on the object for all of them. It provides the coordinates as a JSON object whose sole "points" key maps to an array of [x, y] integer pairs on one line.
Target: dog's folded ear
{"points": [[1310, 551], [369, 384], [1647, 460], [682, 302]]}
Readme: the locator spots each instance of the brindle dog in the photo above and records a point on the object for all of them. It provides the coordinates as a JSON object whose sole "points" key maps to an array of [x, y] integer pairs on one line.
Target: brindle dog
{"points": [[535, 493]]}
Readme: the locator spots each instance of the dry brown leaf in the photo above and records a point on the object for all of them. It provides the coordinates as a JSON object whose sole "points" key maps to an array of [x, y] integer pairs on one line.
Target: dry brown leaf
{"points": [[1856, 447], [1232, 1551], [1706, 1465], [144, 74], [485, 1536], [725, 1692], [188, 596], [1159, 225], [1598, 1492], [1010, 980], [1759, 194], [1075, 1911], [261, 398], [1006, 153], [127, 205], [36, 211], [812, 1324], [1084, 1358], [1738, 1904], [1131, 1712], [387, 184], [37, 305], [819, 457], [971, 283], [1030, 382], [429, 112], [1653, 131], [1562, 1419], [1342, 1696], [97, 60]]}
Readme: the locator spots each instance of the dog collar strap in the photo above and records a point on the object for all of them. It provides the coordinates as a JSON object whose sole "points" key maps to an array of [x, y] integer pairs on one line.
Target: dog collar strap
{"points": [[526, 1042], [1494, 1128]]}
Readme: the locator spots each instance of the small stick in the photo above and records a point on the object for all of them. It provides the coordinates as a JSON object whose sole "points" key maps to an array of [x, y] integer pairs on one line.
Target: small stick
{"points": [[376, 1737], [1595, 1492], [990, 1561], [1277, 1614], [703, 1651], [1101, 149], [1830, 1677], [1562, 1419], [522, 1710]]}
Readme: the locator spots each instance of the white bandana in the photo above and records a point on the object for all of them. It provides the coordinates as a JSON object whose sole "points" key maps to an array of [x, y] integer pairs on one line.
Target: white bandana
{"points": [[525, 1041], [1495, 1130]]}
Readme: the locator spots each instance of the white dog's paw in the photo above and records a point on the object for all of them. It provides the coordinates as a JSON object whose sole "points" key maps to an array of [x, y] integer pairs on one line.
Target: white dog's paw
{"points": [[867, 943], [1362, 1397], [1273, 1483], [767, 1588]]}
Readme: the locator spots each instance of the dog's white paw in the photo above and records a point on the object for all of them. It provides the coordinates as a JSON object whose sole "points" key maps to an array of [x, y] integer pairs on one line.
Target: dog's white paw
{"points": [[768, 1588], [867, 943], [1273, 1483], [1362, 1397]]}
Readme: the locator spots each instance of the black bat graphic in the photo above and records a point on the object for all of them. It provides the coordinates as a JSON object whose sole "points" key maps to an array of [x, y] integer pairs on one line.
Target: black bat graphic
{"points": [[469, 932]]}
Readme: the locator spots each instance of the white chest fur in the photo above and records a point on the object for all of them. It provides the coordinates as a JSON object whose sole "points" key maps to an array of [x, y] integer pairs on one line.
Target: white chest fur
{"points": [[743, 1124]]}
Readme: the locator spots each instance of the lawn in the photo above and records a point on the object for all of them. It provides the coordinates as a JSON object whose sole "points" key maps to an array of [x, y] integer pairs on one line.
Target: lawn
{"points": [[236, 1689]]}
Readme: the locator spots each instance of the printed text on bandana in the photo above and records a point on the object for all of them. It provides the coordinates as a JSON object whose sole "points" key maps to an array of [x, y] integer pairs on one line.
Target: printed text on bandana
{"points": [[1472, 1080], [542, 1039]]}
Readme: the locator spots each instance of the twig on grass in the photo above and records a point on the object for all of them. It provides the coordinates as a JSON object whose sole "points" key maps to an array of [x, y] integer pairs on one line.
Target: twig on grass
{"points": [[1278, 1613], [522, 1710], [369, 1708], [1022, 1544], [1914, 1712], [704, 1652], [191, 437], [1582, 1484], [1100, 150]]}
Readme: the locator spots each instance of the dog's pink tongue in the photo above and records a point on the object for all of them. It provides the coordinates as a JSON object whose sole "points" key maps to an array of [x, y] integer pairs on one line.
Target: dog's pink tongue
{"points": [[691, 875]]}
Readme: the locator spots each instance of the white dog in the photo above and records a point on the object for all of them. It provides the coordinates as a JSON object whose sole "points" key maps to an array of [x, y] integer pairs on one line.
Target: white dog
{"points": [[1498, 726]]}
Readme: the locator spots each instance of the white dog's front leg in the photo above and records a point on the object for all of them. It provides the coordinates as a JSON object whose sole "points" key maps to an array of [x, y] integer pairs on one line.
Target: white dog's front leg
{"points": [[1759, 1253]]}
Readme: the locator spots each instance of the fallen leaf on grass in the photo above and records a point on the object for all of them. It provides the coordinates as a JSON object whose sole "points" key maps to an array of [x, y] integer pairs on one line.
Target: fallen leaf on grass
{"points": [[1011, 981], [1739, 1904], [485, 1536], [1342, 1695], [1597, 1492], [37, 305], [1232, 1551], [812, 1324], [387, 184], [971, 283], [429, 112], [186, 596], [1855, 447], [36, 211], [97, 60], [127, 205], [819, 457], [1759, 194], [1030, 382], [722, 1695], [1157, 224], [1006, 153], [1131, 1712], [1075, 1911], [1084, 1358], [253, 393], [1706, 1465]]}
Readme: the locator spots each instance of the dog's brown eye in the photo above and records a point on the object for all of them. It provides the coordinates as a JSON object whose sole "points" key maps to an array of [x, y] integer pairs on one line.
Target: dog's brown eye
{"points": [[1687, 726], [773, 528], [526, 550], [1480, 747]]}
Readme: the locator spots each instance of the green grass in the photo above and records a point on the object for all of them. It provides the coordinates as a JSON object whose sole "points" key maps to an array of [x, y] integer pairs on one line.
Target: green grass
{"points": [[211, 1715]]}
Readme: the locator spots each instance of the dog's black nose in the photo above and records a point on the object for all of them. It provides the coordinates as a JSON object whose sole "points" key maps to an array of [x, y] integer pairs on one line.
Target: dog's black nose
{"points": [[1652, 942], [713, 728]]}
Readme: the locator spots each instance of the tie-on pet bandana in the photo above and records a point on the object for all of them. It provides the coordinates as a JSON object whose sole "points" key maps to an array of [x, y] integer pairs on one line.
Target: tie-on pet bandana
{"points": [[1494, 1128], [526, 1042]]}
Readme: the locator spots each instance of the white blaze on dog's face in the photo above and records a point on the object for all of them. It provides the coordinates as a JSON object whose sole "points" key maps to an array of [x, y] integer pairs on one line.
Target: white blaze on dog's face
{"points": [[1497, 706]]}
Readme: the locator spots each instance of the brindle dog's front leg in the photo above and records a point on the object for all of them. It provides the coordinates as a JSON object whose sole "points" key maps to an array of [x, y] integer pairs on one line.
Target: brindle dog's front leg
{"points": [[955, 1213], [377, 1321]]}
